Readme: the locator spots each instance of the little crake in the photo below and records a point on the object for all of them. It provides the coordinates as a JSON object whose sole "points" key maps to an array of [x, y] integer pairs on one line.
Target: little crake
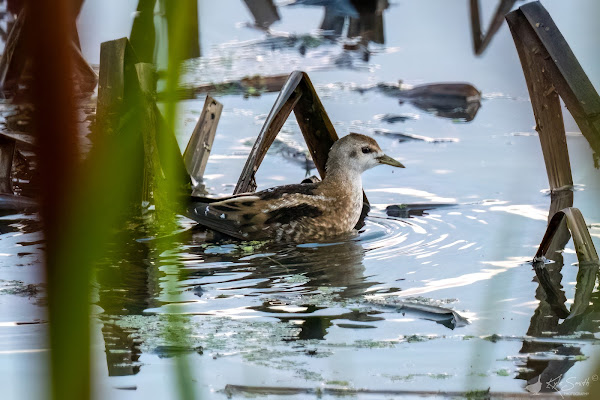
{"points": [[301, 212]]}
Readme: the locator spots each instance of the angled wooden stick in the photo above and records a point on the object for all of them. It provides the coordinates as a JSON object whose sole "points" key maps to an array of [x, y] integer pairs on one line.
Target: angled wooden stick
{"points": [[480, 40], [198, 149], [545, 103], [285, 103], [536, 34], [299, 95]]}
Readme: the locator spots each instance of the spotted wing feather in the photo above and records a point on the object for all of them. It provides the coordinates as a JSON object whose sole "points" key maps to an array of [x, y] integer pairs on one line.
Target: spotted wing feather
{"points": [[254, 215]]}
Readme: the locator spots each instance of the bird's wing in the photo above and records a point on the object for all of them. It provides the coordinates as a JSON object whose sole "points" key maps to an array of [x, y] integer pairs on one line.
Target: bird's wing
{"points": [[252, 215], [221, 215]]}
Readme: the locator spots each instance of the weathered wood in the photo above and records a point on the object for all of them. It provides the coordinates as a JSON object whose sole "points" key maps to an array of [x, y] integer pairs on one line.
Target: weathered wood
{"points": [[558, 61], [147, 78], [369, 24], [198, 149], [24, 140], [170, 154], [126, 106], [545, 103], [318, 131], [118, 85], [264, 12], [316, 127], [161, 150], [10, 202], [14, 56], [284, 104], [480, 40], [7, 152], [333, 23], [84, 74]]}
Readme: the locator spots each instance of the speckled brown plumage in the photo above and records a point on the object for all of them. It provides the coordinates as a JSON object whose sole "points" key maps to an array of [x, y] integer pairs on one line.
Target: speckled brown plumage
{"points": [[301, 212]]}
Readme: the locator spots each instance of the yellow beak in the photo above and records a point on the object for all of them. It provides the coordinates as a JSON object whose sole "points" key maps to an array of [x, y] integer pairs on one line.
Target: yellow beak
{"points": [[390, 161]]}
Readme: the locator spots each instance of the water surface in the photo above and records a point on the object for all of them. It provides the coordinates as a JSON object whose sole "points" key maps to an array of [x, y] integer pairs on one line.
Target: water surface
{"points": [[329, 315]]}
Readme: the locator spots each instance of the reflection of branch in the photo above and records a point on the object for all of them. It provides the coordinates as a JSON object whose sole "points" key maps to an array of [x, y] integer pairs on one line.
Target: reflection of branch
{"points": [[551, 70], [586, 254]]}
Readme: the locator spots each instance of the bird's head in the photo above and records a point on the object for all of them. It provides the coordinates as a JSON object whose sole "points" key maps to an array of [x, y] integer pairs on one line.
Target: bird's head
{"points": [[359, 153]]}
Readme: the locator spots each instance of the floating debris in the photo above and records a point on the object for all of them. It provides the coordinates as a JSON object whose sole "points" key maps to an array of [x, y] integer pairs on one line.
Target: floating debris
{"points": [[425, 309], [405, 137], [393, 118], [459, 101], [413, 210], [248, 86]]}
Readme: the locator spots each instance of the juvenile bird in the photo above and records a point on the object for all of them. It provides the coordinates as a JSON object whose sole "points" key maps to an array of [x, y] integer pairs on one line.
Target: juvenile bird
{"points": [[301, 212]]}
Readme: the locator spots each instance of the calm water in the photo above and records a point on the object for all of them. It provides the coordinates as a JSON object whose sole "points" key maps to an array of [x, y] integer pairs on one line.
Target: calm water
{"points": [[315, 316]]}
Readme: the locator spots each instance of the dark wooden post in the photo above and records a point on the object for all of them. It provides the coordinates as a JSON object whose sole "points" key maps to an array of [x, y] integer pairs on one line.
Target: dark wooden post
{"points": [[264, 12], [126, 106], [7, 152], [546, 106], [118, 83], [543, 48]]}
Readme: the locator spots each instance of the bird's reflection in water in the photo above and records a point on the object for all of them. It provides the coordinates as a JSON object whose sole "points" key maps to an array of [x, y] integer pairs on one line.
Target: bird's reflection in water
{"points": [[298, 281], [308, 284]]}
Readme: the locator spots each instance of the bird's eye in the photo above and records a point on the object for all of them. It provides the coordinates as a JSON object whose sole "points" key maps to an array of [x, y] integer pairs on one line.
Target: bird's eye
{"points": [[366, 150]]}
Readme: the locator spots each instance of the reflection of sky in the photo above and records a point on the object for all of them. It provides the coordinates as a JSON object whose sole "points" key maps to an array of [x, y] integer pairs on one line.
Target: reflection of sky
{"points": [[425, 43], [102, 20]]}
